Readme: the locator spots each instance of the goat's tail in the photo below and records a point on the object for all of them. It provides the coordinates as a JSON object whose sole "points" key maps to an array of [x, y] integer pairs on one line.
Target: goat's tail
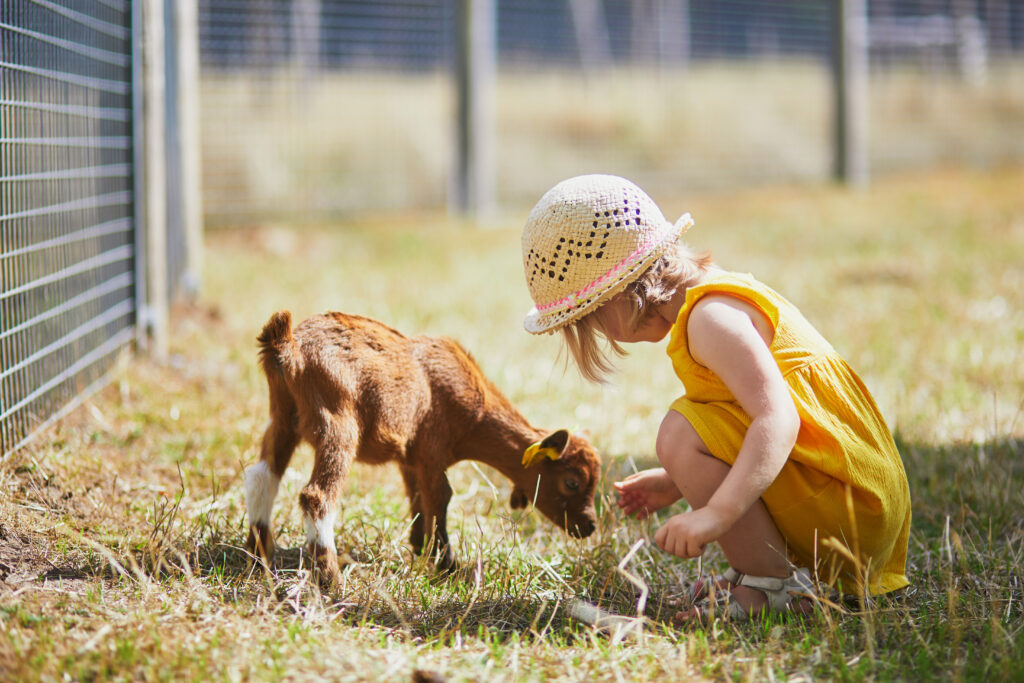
{"points": [[277, 345]]}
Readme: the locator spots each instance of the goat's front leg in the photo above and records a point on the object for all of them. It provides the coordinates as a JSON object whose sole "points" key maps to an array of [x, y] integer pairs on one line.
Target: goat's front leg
{"points": [[319, 498], [436, 493], [417, 532]]}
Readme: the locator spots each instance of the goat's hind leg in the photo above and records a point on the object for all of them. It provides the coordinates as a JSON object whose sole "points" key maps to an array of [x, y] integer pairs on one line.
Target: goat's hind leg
{"points": [[262, 481], [335, 452]]}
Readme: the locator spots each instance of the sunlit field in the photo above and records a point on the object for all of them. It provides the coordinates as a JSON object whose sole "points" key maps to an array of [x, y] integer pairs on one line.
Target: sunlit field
{"points": [[121, 528]]}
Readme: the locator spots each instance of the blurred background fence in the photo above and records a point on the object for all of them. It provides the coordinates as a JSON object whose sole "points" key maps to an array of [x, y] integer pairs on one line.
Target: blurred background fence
{"points": [[312, 108], [116, 116]]}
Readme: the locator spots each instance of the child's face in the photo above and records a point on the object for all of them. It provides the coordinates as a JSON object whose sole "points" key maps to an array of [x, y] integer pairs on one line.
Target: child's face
{"points": [[615, 316]]}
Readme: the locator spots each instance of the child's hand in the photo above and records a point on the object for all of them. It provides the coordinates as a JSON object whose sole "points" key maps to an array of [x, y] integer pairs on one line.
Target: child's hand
{"points": [[686, 534], [645, 492]]}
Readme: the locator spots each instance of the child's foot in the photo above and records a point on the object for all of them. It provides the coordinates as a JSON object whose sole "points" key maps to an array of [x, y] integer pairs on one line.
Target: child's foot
{"points": [[646, 492], [730, 600]]}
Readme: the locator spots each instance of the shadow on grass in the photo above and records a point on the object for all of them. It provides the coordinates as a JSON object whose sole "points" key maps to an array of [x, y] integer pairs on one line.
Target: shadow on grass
{"points": [[978, 488]]}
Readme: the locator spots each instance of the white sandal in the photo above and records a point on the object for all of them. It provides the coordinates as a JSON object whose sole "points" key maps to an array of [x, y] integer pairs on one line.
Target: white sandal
{"points": [[780, 592]]}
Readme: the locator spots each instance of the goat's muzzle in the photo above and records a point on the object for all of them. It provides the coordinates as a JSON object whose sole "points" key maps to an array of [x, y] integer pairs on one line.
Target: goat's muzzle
{"points": [[583, 526]]}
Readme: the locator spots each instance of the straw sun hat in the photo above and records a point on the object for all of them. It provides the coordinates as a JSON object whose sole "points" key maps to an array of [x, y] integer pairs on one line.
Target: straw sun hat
{"points": [[586, 239]]}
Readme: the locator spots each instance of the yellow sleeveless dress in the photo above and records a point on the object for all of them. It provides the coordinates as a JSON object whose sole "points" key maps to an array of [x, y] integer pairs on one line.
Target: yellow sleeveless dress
{"points": [[841, 501]]}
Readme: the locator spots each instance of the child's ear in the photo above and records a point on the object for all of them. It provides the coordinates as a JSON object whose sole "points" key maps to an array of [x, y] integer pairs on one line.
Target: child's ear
{"points": [[518, 499]]}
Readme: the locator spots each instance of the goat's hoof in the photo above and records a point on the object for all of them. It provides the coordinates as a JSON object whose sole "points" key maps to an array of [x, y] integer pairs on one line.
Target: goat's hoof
{"points": [[446, 565], [260, 547], [327, 566]]}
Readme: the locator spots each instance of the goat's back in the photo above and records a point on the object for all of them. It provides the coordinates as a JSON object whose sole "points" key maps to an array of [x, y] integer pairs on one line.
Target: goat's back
{"points": [[402, 390]]}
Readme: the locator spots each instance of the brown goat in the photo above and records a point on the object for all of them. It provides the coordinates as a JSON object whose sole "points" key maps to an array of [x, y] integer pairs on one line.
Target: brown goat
{"points": [[358, 390]]}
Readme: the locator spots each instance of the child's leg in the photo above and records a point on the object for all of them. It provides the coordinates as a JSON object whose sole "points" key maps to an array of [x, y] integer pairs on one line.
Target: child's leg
{"points": [[753, 545]]}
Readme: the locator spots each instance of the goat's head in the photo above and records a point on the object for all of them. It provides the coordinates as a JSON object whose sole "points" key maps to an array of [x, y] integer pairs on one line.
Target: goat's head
{"points": [[562, 472]]}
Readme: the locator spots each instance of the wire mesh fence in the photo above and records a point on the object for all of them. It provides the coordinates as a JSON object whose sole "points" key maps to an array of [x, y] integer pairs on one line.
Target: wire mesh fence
{"points": [[67, 241], [315, 108]]}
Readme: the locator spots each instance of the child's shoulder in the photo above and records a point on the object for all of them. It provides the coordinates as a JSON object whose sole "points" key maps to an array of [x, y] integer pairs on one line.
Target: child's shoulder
{"points": [[725, 288], [719, 313]]}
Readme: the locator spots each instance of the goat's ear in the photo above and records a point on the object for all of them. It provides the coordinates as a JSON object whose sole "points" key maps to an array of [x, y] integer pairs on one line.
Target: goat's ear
{"points": [[557, 441], [518, 499], [551, 447]]}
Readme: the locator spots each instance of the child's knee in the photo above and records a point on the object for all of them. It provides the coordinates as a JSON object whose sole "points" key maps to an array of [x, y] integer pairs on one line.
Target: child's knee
{"points": [[677, 441]]}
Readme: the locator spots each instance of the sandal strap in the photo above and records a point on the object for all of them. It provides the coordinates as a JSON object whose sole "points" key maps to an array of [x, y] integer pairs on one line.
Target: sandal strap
{"points": [[780, 592], [732, 576], [702, 586]]}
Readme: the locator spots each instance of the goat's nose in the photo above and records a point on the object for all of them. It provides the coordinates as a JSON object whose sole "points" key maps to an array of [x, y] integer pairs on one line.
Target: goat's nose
{"points": [[582, 528]]}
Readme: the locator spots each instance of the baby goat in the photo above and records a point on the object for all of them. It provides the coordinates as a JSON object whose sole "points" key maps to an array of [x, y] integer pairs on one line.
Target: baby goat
{"points": [[359, 390]]}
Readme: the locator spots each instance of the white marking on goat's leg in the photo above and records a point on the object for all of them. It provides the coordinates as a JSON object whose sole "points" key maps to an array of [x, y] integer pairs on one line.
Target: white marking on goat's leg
{"points": [[321, 531], [260, 491]]}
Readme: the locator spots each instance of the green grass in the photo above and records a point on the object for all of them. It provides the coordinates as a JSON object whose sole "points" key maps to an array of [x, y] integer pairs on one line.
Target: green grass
{"points": [[121, 527]]}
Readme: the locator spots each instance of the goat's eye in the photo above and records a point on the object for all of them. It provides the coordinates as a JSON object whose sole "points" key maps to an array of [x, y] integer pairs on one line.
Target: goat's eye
{"points": [[572, 484]]}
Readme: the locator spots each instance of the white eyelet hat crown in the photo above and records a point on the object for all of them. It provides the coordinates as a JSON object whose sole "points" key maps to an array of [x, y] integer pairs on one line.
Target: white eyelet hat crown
{"points": [[586, 239]]}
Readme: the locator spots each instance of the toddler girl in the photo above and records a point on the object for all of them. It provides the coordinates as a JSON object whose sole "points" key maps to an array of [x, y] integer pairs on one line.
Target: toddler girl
{"points": [[777, 446]]}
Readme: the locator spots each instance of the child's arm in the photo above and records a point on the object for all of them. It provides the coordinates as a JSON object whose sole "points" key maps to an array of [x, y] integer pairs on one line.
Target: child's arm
{"points": [[731, 338]]}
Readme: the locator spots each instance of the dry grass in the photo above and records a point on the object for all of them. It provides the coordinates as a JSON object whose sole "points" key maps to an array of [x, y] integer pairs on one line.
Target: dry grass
{"points": [[120, 528]]}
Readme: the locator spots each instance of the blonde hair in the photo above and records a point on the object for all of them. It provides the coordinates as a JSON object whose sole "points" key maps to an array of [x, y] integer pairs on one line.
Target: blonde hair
{"points": [[675, 270]]}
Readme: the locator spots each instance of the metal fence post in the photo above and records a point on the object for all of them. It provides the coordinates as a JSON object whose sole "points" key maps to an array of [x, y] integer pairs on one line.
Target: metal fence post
{"points": [[475, 65], [850, 75], [190, 168], [591, 32], [155, 310], [139, 176]]}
